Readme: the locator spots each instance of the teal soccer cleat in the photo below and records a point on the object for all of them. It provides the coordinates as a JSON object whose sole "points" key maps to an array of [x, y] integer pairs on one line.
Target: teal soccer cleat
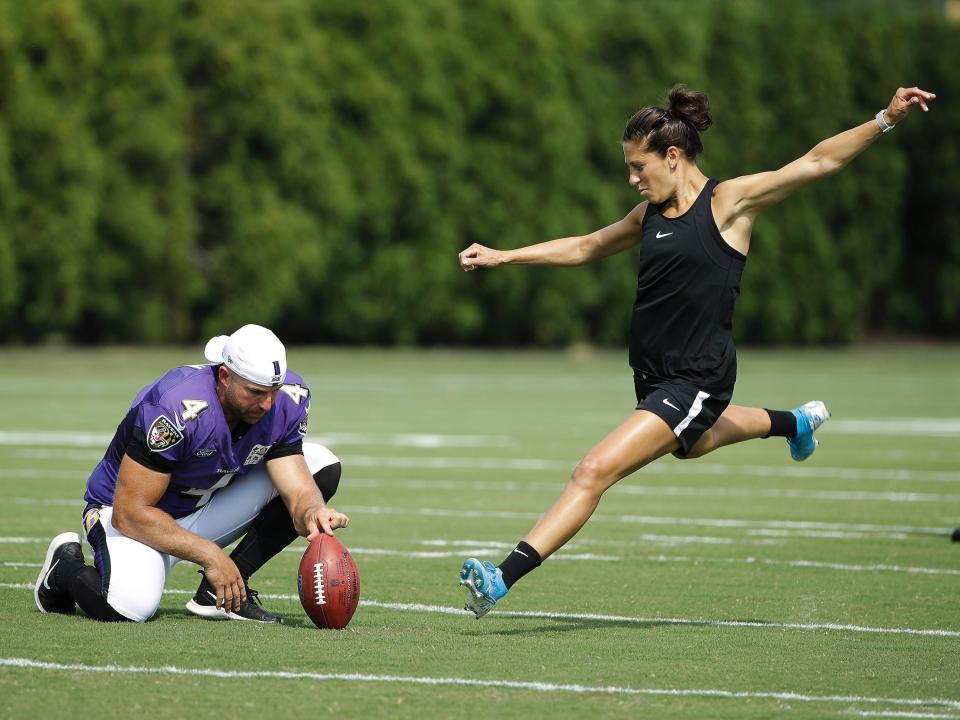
{"points": [[484, 584], [809, 417]]}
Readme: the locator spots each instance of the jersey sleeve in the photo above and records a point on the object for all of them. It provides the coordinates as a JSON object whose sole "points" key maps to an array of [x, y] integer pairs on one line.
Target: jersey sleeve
{"points": [[285, 449], [165, 442], [137, 449], [295, 397]]}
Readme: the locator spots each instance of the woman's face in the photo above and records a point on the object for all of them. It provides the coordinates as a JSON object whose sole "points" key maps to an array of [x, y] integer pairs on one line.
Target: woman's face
{"points": [[650, 173]]}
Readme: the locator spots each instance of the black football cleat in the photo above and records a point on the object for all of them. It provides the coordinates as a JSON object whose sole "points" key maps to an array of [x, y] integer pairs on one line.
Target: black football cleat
{"points": [[204, 604], [64, 550]]}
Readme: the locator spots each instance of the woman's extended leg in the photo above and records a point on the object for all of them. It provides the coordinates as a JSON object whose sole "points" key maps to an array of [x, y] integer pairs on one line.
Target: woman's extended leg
{"points": [[640, 439], [738, 423]]}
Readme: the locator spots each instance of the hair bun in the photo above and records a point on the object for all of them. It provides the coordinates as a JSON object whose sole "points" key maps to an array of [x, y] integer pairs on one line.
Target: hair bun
{"points": [[690, 106]]}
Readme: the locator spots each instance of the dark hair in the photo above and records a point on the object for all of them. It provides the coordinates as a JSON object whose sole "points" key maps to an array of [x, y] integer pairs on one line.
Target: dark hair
{"points": [[681, 125]]}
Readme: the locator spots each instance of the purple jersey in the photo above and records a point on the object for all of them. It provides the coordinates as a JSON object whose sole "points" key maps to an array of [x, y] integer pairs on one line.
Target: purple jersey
{"points": [[181, 423]]}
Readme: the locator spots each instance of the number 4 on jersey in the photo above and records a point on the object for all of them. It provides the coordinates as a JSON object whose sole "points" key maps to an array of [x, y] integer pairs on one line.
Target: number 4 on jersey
{"points": [[296, 392], [192, 409]]}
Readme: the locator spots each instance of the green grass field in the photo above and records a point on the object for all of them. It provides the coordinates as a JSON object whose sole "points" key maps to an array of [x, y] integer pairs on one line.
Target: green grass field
{"points": [[741, 585]]}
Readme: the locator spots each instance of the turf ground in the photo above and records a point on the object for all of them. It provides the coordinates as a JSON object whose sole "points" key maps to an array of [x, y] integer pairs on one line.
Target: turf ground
{"points": [[741, 585]]}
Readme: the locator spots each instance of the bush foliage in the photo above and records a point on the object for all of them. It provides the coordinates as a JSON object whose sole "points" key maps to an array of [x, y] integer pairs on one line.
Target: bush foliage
{"points": [[170, 170]]}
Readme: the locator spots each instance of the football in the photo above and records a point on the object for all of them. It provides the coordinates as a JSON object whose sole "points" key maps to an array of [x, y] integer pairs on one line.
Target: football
{"points": [[328, 583]]}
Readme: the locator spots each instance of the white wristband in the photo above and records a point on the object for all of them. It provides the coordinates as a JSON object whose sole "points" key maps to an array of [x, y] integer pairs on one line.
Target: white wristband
{"points": [[883, 124]]}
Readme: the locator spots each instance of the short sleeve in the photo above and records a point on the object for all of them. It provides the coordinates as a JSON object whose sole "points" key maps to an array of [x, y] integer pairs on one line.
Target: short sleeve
{"points": [[295, 413], [164, 434], [137, 449]]}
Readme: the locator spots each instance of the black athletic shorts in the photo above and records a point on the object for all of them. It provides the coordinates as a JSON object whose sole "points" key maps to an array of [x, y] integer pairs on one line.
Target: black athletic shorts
{"points": [[688, 410]]}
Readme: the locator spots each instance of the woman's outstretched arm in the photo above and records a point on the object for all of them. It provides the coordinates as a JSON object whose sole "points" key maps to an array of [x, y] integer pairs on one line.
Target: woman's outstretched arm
{"points": [[747, 195], [579, 250]]}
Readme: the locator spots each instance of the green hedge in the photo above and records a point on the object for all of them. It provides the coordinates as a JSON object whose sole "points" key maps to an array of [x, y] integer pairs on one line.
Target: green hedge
{"points": [[174, 169]]}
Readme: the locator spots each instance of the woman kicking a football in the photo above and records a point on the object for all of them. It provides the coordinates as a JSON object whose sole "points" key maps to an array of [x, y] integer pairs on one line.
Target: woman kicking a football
{"points": [[694, 236]]}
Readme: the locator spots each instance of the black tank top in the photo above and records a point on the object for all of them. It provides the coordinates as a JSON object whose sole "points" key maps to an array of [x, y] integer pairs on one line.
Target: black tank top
{"points": [[689, 280]]}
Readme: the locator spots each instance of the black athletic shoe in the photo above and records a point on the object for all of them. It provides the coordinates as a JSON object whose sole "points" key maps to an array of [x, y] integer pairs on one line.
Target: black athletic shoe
{"points": [[64, 549], [204, 604]]}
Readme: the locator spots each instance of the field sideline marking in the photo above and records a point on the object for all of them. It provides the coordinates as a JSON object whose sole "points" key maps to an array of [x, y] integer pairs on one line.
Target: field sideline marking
{"points": [[26, 663], [623, 619]]}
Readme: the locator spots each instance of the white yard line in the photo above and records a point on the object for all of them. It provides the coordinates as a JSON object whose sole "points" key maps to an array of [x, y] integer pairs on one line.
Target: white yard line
{"points": [[471, 547], [24, 540], [537, 686], [627, 619], [628, 488], [38, 474], [74, 439], [795, 470], [793, 494], [461, 549], [653, 520], [625, 488], [813, 564], [771, 528], [71, 438], [692, 467], [600, 618], [900, 714], [937, 427], [435, 554]]}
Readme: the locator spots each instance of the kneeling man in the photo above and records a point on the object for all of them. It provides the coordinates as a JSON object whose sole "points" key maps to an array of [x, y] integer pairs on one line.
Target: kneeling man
{"points": [[206, 454]]}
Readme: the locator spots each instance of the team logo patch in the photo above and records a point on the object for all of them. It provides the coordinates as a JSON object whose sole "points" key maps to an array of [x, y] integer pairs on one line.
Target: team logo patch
{"points": [[163, 434], [303, 427], [256, 455], [205, 453]]}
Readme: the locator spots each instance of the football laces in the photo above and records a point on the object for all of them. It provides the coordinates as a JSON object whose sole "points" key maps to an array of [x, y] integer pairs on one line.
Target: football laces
{"points": [[318, 591]]}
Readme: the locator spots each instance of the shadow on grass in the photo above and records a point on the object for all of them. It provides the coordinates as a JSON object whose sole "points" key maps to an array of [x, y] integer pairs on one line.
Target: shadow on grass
{"points": [[489, 626], [560, 624], [175, 614]]}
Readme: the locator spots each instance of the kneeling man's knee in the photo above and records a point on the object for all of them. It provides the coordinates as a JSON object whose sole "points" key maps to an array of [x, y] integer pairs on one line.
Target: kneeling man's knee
{"points": [[328, 480]]}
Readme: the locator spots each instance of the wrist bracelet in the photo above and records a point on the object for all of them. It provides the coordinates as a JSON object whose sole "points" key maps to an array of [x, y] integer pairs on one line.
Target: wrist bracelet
{"points": [[884, 126]]}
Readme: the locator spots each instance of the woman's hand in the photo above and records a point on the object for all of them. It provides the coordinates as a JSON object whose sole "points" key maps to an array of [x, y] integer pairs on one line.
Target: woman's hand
{"points": [[903, 100], [479, 256]]}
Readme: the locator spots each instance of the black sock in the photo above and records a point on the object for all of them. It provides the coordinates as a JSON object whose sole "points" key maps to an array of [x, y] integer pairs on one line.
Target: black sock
{"points": [[521, 560], [783, 423], [272, 530], [86, 589]]}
